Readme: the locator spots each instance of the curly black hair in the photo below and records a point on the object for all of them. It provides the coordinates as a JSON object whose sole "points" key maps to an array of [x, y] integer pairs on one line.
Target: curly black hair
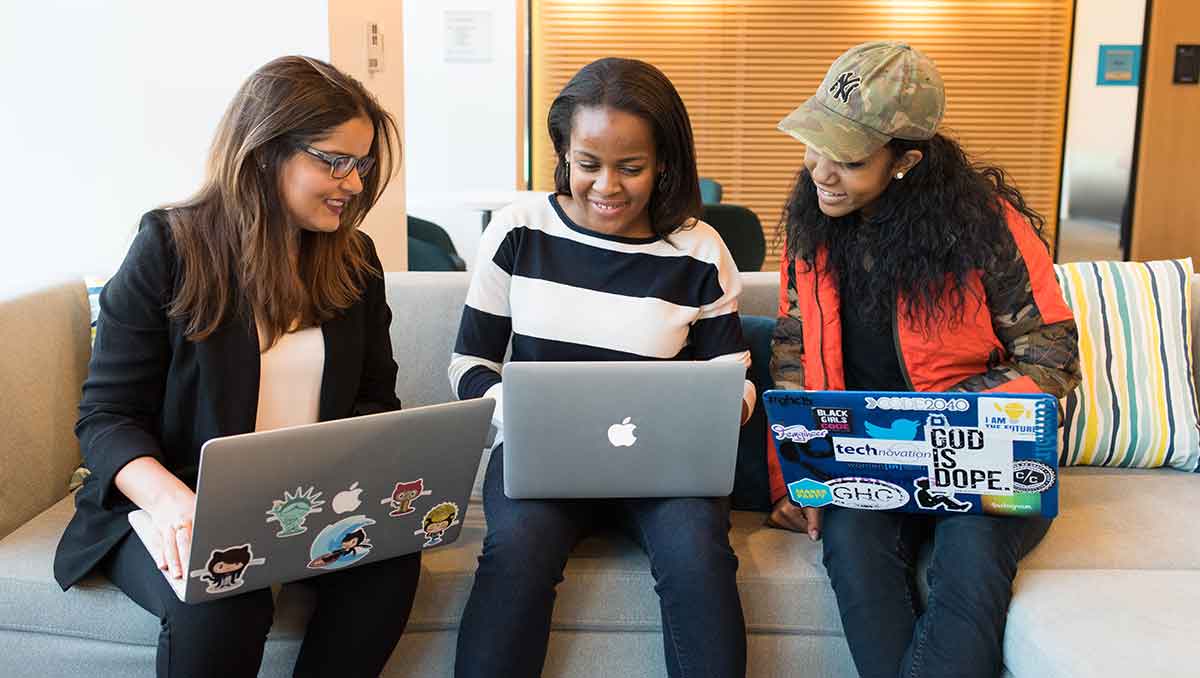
{"points": [[944, 220]]}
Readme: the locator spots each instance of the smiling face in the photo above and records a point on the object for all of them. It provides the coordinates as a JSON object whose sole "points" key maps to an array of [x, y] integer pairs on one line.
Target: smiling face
{"points": [[313, 200], [847, 187], [613, 169]]}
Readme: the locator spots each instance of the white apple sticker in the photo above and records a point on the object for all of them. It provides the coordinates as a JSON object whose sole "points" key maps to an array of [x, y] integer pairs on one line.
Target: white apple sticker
{"points": [[621, 435], [347, 500]]}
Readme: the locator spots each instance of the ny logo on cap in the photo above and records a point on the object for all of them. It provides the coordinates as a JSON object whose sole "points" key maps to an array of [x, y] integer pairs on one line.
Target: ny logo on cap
{"points": [[844, 86]]}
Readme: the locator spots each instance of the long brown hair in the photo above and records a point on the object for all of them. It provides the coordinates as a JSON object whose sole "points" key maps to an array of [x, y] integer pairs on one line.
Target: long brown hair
{"points": [[232, 236]]}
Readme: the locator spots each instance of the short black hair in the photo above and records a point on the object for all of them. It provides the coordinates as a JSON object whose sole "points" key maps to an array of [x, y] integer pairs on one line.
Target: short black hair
{"points": [[635, 87]]}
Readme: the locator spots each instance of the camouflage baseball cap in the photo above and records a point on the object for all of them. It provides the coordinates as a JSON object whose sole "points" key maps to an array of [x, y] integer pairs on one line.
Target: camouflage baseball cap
{"points": [[873, 93]]}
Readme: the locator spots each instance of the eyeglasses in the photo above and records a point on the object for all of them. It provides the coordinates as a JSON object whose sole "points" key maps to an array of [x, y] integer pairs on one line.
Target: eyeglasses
{"points": [[340, 166]]}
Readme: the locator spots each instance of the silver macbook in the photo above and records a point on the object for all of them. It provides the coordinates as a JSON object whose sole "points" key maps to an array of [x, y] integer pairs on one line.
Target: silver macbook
{"points": [[621, 429], [292, 503]]}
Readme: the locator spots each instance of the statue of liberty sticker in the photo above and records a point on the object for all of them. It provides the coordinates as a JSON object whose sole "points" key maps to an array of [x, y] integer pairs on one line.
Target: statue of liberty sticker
{"points": [[291, 511]]}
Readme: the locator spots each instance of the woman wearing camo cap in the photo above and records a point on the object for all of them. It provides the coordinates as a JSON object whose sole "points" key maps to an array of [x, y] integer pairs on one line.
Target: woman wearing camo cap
{"points": [[909, 268]]}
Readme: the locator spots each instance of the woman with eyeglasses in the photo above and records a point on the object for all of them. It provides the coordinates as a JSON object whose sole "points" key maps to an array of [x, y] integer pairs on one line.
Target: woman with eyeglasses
{"points": [[255, 304]]}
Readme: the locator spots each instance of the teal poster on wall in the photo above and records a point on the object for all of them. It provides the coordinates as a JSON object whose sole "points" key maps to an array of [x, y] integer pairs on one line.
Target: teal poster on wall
{"points": [[1119, 65]]}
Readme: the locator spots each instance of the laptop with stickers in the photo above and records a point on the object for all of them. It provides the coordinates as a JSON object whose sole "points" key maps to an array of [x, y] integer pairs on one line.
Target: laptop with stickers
{"points": [[621, 429], [970, 453], [293, 503]]}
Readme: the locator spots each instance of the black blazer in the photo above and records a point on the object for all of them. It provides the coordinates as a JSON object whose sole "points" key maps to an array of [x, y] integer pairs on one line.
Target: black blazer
{"points": [[151, 392]]}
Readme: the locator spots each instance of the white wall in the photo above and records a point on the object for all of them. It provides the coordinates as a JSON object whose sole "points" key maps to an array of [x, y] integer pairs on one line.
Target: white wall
{"points": [[459, 118], [108, 110], [1101, 119]]}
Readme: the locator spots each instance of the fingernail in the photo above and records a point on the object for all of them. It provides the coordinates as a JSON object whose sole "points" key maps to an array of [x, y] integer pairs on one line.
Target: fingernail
{"points": [[812, 534]]}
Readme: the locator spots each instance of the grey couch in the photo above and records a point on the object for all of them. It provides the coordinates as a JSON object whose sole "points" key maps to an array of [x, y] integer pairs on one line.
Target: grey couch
{"points": [[1113, 590]]}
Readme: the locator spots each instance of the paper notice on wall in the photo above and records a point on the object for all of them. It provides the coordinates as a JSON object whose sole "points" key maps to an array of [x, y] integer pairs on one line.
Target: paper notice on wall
{"points": [[468, 37]]}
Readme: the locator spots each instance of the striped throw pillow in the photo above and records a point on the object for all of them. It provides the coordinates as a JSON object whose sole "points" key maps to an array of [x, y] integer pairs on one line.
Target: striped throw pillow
{"points": [[1136, 406]]}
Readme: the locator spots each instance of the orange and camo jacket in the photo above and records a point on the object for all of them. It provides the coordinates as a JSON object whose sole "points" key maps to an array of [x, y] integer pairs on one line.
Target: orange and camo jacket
{"points": [[1017, 333]]}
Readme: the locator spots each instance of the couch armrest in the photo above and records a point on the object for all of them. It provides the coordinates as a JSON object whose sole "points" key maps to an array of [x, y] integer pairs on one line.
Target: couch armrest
{"points": [[45, 344]]}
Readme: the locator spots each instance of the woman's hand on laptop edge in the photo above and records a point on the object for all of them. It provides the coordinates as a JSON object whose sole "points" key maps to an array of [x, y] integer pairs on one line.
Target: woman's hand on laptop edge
{"points": [[787, 516], [172, 518], [171, 505]]}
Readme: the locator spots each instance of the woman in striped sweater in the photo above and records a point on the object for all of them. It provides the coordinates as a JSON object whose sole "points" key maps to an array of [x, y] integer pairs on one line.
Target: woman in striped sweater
{"points": [[614, 265]]}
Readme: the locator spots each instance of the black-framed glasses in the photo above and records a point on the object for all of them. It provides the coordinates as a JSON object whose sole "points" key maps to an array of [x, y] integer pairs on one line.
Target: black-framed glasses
{"points": [[340, 166]]}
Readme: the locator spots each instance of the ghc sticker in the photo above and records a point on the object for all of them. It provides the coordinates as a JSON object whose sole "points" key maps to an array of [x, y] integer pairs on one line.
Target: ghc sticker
{"points": [[809, 492], [867, 493]]}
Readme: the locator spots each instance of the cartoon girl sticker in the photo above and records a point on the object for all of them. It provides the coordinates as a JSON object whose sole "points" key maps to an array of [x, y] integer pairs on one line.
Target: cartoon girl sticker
{"points": [[341, 544], [291, 511], [226, 567], [437, 520], [404, 495]]}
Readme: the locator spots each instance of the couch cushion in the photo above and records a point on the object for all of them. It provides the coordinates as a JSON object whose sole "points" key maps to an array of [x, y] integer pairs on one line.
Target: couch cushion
{"points": [[42, 366], [1136, 405], [1122, 519], [1079, 624]]}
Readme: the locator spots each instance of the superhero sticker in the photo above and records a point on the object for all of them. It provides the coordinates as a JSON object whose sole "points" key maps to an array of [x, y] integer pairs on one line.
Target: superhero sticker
{"points": [[341, 544], [437, 520], [403, 496], [291, 511], [226, 568]]}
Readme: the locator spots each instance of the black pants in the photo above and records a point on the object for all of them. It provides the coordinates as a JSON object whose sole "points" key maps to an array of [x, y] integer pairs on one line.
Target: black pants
{"points": [[359, 617]]}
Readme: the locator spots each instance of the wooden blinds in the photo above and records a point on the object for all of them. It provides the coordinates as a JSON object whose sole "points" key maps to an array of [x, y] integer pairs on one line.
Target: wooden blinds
{"points": [[742, 65]]}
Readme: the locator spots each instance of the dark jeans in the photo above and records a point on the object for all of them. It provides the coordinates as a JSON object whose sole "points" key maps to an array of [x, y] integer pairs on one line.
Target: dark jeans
{"points": [[870, 557], [506, 624], [360, 614]]}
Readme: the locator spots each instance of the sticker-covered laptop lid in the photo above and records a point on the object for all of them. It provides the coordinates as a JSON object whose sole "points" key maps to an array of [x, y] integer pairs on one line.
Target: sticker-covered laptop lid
{"points": [[980, 453]]}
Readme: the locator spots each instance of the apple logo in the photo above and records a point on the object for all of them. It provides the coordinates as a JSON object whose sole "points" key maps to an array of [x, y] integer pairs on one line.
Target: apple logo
{"points": [[621, 435], [347, 500]]}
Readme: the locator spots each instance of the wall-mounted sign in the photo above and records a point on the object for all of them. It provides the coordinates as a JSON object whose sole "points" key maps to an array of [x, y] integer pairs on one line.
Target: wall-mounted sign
{"points": [[1119, 65], [468, 37]]}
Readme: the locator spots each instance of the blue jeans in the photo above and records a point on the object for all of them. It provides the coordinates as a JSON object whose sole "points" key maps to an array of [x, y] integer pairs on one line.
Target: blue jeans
{"points": [[506, 624], [870, 557]]}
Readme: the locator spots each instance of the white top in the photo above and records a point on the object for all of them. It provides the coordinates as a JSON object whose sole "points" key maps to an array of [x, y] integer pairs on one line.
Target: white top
{"points": [[289, 382]]}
